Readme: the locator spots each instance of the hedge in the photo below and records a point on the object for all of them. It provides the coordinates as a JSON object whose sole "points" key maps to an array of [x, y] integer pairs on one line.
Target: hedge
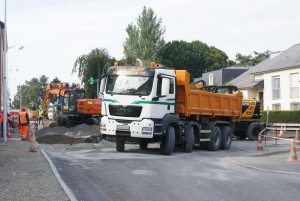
{"points": [[281, 116]]}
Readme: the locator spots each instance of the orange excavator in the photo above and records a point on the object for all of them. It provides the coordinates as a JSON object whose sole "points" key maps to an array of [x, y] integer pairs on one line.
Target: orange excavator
{"points": [[72, 107]]}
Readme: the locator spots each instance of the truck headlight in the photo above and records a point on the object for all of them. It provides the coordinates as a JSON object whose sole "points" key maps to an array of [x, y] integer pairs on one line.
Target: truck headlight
{"points": [[146, 130]]}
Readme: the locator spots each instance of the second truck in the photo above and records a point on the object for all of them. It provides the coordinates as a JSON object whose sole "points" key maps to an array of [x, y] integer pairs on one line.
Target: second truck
{"points": [[156, 105]]}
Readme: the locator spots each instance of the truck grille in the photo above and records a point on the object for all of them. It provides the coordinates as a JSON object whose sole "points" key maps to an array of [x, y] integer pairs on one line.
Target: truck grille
{"points": [[125, 111]]}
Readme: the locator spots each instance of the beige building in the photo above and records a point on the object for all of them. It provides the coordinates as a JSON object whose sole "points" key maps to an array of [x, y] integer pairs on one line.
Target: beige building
{"points": [[275, 81]]}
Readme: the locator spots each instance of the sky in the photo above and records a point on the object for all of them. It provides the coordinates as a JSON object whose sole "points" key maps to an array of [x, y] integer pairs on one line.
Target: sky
{"points": [[55, 33]]}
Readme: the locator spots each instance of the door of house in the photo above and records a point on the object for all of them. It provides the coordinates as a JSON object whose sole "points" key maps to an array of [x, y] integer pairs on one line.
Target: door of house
{"points": [[261, 99]]}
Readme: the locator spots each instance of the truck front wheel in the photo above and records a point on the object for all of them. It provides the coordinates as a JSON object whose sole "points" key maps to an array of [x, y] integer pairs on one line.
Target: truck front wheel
{"points": [[215, 139], [120, 145], [226, 138], [168, 141]]}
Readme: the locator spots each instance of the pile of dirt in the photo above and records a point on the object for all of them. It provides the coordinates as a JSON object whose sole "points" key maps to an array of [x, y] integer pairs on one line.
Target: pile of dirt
{"points": [[61, 135]]}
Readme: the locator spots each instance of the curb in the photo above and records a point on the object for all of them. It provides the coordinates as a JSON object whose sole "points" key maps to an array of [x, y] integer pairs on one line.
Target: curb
{"points": [[58, 177]]}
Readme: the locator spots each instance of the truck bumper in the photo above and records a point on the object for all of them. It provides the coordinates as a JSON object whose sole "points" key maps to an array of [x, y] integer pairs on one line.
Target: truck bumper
{"points": [[135, 129]]}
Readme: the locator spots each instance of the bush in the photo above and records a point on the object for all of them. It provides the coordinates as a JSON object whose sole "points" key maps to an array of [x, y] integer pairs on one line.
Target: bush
{"points": [[281, 116]]}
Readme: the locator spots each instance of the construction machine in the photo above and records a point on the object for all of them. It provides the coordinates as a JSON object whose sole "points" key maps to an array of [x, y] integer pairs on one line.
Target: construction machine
{"points": [[71, 106]]}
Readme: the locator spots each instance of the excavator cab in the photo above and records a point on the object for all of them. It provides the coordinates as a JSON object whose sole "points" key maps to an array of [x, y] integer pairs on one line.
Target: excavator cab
{"points": [[67, 102]]}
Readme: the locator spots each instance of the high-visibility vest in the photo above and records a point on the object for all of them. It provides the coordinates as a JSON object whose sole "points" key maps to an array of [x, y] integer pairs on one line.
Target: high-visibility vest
{"points": [[41, 113], [23, 119]]}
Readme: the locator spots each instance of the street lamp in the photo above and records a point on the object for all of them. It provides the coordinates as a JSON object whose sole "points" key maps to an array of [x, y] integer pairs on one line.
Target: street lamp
{"points": [[5, 73], [20, 46]]}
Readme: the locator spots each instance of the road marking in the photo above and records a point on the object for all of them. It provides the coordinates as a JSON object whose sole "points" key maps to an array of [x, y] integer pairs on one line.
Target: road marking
{"points": [[143, 172], [58, 177], [262, 169]]}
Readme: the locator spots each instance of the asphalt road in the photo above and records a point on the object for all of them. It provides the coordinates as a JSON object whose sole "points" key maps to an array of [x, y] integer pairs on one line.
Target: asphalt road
{"points": [[97, 172]]}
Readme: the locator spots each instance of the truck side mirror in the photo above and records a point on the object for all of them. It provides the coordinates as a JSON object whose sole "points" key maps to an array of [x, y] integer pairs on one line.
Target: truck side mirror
{"points": [[165, 86]]}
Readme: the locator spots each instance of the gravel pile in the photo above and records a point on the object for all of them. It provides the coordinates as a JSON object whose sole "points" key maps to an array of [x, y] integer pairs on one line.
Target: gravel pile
{"points": [[74, 135]]}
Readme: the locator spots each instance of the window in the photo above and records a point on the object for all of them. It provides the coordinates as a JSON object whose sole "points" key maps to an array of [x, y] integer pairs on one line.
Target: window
{"points": [[295, 106], [275, 88], [294, 85], [211, 79], [276, 107], [159, 85], [172, 85]]}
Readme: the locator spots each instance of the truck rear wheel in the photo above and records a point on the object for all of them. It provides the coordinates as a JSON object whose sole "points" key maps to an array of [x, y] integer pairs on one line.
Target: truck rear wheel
{"points": [[253, 130], [189, 140], [215, 139], [168, 141], [226, 138], [120, 145]]}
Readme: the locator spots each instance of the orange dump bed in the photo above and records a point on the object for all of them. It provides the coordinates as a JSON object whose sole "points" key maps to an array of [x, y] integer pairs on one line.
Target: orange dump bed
{"points": [[202, 103]]}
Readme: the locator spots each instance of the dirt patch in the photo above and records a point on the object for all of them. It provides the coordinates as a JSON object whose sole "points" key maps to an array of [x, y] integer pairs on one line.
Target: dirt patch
{"points": [[61, 135]]}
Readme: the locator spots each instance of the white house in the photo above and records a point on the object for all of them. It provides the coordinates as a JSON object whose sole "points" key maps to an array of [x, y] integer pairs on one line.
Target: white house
{"points": [[275, 81]]}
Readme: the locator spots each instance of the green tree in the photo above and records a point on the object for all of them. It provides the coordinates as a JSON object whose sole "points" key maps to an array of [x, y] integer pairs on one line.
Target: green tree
{"points": [[55, 80], [30, 93], [91, 67], [249, 60], [146, 38], [195, 57]]}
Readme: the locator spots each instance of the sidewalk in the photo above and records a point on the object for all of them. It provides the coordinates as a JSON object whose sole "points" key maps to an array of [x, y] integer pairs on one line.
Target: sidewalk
{"points": [[25, 175]]}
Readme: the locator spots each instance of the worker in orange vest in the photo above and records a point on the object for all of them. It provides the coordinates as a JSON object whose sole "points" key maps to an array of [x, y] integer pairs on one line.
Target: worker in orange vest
{"points": [[24, 123]]}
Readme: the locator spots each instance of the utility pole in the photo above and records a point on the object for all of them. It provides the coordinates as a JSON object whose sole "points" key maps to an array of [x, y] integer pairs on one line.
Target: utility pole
{"points": [[5, 77]]}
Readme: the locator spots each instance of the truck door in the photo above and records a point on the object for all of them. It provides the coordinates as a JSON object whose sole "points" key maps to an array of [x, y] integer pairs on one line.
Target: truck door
{"points": [[166, 93]]}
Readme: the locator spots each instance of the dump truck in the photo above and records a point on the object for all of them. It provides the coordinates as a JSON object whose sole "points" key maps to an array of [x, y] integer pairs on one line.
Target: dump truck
{"points": [[153, 104], [71, 107], [249, 125]]}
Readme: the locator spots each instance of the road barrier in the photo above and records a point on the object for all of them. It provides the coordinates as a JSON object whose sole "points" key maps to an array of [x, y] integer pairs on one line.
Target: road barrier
{"points": [[293, 151]]}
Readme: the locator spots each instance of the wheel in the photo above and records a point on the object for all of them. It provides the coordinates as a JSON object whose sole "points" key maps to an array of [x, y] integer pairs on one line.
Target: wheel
{"points": [[65, 122], [189, 140], [143, 144], [215, 139], [120, 145], [253, 130], [226, 137], [168, 142], [91, 121]]}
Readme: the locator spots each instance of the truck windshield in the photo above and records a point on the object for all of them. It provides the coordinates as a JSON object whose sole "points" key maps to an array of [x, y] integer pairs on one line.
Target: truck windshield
{"points": [[129, 85]]}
